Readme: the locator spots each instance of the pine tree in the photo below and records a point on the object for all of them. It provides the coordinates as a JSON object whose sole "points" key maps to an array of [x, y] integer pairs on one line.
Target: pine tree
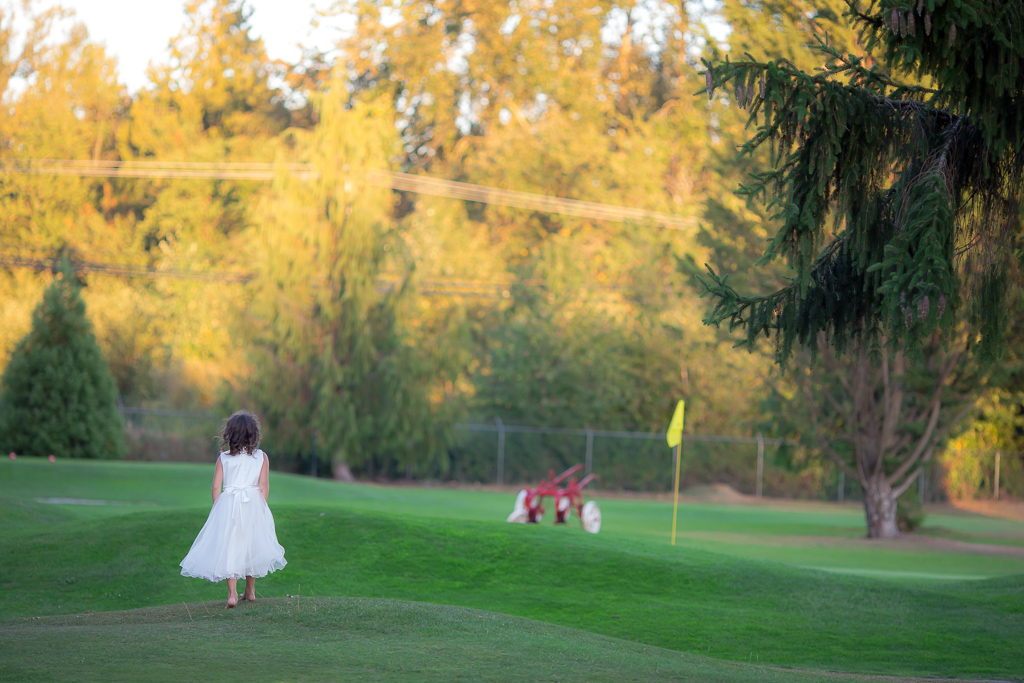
{"points": [[898, 203], [58, 395], [881, 415], [766, 29]]}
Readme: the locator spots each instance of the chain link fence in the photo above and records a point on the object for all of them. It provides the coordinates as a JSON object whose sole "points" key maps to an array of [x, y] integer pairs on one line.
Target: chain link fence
{"points": [[170, 435], [622, 460]]}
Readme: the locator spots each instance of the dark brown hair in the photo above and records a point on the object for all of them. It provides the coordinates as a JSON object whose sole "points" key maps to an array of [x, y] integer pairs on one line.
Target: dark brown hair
{"points": [[240, 433]]}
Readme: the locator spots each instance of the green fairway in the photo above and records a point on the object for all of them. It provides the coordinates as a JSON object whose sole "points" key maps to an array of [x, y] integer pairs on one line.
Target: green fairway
{"points": [[445, 546]]}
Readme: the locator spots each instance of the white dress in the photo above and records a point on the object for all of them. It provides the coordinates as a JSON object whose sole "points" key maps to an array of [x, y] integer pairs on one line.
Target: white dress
{"points": [[239, 538]]}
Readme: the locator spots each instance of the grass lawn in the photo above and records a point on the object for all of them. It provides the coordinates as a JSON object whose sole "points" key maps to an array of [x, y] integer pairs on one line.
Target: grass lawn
{"points": [[347, 639], [749, 600], [811, 535]]}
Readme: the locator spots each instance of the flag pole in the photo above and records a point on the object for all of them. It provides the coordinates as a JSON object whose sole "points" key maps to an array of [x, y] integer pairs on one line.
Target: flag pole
{"points": [[674, 437], [675, 502]]}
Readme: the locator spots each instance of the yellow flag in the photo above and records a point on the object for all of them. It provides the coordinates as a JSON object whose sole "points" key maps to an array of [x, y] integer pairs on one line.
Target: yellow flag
{"points": [[675, 427]]}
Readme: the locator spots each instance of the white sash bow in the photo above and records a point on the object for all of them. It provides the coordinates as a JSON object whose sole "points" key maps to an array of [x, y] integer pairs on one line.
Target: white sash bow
{"points": [[240, 495]]}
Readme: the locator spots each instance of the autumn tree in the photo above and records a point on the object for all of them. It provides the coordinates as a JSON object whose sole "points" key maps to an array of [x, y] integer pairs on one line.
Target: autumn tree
{"points": [[332, 354], [211, 100], [587, 101], [996, 426], [63, 100]]}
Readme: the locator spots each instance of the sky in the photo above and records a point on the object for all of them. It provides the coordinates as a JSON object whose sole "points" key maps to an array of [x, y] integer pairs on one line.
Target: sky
{"points": [[137, 31]]}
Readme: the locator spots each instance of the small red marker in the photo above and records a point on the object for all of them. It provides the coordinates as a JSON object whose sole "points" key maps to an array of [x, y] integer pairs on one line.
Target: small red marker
{"points": [[13, 456], [51, 459]]}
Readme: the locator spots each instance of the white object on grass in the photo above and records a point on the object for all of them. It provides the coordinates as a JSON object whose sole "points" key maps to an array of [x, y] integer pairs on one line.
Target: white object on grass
{"points": [[519, 514], [591, 517]]}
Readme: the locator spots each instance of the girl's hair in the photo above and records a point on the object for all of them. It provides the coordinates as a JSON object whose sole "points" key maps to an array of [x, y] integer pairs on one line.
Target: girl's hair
{"points": [[240, 433]]}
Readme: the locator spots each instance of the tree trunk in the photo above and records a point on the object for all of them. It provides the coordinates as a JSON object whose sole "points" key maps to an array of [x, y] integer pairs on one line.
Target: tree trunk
{"points": [[342, 472], [880, 509]]}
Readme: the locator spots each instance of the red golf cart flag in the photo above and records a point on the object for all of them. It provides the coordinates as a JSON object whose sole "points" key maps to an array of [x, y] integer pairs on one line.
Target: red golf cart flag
{"points": [[675, 427]]}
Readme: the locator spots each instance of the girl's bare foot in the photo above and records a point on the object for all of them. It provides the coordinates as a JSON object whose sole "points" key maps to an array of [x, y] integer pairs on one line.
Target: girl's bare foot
{"points": [[248, 598], [232, 592]]}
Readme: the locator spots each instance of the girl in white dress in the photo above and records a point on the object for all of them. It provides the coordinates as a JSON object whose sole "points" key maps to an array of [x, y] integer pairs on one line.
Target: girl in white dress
{"points": [[239, 538]]}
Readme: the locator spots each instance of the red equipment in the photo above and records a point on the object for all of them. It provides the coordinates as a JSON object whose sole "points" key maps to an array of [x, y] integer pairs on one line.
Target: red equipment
{"points": [[529, 504]]}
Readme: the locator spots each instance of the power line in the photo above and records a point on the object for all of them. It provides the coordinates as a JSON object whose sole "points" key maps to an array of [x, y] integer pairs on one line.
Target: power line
{"points": [[123, 270], [439, 288], [200, 170], [485, 194], [428, 288], [407, 182]]}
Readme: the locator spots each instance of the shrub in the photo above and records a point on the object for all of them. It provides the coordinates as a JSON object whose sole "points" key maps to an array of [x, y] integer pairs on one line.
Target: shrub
{"points": [[909, 513]]}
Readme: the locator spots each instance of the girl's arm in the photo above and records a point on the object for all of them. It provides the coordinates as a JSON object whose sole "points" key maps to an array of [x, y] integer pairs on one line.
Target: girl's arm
{"points": [[265, 479], [218, 480]]}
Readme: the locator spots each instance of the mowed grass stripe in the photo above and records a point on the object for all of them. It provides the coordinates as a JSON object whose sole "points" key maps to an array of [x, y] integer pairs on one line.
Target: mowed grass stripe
{"points": [[333, 639], [692, 601]]}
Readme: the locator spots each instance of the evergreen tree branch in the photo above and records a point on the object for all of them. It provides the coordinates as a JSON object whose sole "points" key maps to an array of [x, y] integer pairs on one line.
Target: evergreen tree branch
{"points": [[922, 184]]}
